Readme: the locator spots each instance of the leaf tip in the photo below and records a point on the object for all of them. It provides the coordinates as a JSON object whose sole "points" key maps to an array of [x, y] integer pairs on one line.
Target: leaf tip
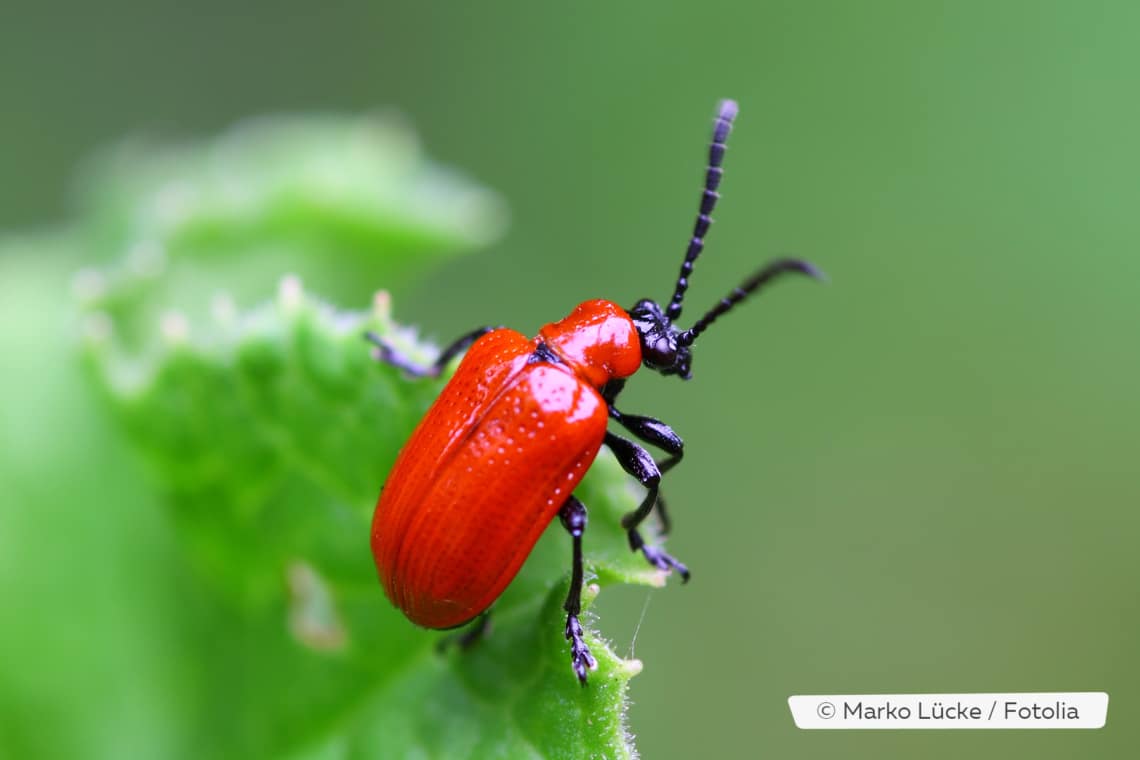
{"points": [[590, 593], [631, 667]]}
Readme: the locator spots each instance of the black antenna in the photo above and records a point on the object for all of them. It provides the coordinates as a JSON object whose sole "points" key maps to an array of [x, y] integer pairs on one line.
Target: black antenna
{"points": [[726, 112], [769, 272]]}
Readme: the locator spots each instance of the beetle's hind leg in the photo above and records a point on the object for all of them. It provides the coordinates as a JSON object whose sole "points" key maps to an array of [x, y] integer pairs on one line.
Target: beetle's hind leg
{"points": [[637, 462], [468, 634], [573, 517], [386, 353]]}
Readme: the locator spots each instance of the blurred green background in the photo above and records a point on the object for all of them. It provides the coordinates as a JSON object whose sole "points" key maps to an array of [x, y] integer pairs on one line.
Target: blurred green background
{"points": [[921, 477]]}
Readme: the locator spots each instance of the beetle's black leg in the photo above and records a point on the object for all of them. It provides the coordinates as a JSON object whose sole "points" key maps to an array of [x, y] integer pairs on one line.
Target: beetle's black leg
{"points": [[656, 433], [637, 462], [472, 634], [663, 515], [573, 516], [647, 429], [386, 353], [611, 390]]}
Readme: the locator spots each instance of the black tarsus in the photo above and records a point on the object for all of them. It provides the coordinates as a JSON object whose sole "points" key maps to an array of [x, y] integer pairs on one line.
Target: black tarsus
{"points": [[726, 112], [573, 517], [389, 355], [764, 275]]}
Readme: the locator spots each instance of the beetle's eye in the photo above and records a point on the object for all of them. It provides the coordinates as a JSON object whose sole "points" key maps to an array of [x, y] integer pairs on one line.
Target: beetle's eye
{"points": [[660, 353]]}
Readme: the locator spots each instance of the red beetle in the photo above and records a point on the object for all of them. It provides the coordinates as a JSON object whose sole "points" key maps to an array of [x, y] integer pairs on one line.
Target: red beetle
{"points": [[501, 450]]}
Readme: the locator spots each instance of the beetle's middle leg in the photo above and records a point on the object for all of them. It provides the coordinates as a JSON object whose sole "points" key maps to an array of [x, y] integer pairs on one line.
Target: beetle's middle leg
{"points": [[389, 355], [573, 516], [637, 462]]}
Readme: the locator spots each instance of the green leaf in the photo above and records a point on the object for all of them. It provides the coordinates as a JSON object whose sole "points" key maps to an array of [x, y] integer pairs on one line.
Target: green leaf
{"points": [[270, 430], [361, 186], [343, 203]]}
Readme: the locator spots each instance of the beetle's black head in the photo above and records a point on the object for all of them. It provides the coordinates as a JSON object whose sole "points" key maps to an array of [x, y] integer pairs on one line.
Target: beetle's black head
{"points": [[665, 348], [660, 350]]}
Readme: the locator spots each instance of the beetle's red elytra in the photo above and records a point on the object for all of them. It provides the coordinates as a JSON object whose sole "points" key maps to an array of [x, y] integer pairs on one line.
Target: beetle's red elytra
{"points": [[507, 438], [513, 432]]}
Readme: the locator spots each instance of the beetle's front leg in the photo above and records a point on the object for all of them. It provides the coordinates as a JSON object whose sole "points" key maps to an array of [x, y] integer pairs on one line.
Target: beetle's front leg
{"points": [[573, 517], [651, 431], [637, 462], [386, 353], [656, 433]]}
